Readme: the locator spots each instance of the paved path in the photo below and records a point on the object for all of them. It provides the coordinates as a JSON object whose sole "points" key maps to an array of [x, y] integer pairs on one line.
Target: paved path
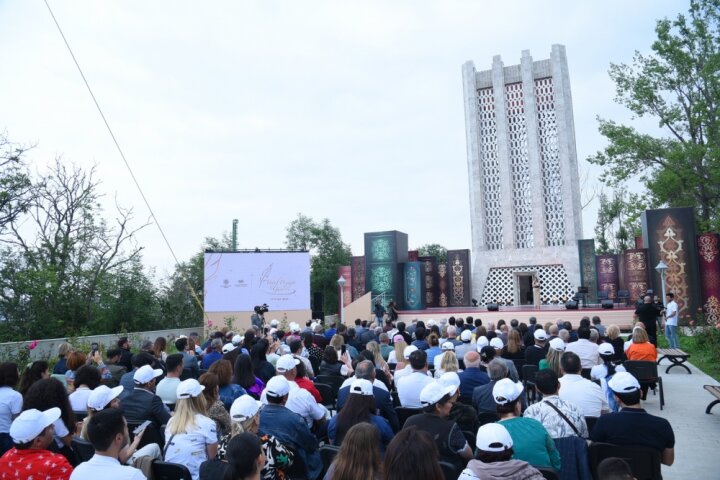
{"points": [[697, 435]]}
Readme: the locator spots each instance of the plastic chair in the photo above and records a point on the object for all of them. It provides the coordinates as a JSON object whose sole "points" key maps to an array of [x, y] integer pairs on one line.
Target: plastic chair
{"points": [[170, 471], [83, 448], [404, 413], [644, 461], [646, 373]]}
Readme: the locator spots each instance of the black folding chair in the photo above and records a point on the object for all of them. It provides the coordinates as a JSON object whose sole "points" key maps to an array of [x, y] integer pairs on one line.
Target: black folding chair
{"points": [[519, 364], [528, 375], [487, 417], [471, 438], [327, 455], [170, 471], [646, 373], [404, 413], [152, 434], [449, 470], [335, 381], [328, 396], [644, 461], [80, 416], [590, 422], [83, 449]]}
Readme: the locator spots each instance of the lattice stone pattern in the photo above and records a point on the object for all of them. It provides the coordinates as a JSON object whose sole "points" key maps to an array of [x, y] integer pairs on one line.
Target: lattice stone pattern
{"points": [[500, 286]]}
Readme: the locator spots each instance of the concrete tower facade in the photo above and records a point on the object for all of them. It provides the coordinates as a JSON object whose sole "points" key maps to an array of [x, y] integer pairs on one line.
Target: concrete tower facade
{"points": [[523, 174]]}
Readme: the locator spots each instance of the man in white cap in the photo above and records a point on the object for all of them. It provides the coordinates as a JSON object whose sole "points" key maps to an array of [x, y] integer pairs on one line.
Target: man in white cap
{"points": [[33, 432], [466, 345], [538, 351], [632, 425], [410, 386], [498, 345], [142, 403], [407, 370], [231, 354]]}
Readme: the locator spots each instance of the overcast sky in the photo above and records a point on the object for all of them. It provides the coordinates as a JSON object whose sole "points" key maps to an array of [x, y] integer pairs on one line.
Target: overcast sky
{"points": [[350, 111]]}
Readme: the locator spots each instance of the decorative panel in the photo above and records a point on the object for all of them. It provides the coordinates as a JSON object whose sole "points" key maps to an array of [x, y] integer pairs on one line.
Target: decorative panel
{"points": [[588, 272], [709, 262], [519, 166], [550, 163], [384, 252], [414, 283], [490, 169], [357, 265], [458, 268], [346, 273], [608, 274], [637, 276], [500, 285], [413, 256], [430, 279], [443, 285]]}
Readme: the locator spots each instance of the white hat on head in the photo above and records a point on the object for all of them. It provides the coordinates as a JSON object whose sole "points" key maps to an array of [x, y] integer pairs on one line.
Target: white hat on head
{"points": [[408, 350], [294, 327], [286, 363], [606, 349], [482, 342], [623, 382], [145, 374], [493, 437], [243, 408], [313, 325], [102, 395], [274, 322], [496, 343], [434, 391], [451, 379], [557, 344], [228, 347], [447, 346], [540, 334], [237, 340], [505, 391], [277, 387], [30, 423], [189, 388], [431, 322], [466, 336], [362, 387]]}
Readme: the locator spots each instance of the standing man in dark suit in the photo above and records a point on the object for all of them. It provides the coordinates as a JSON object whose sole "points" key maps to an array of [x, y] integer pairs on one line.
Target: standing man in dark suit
{"points": [[647, 313], [142, 403], [365, 370]]}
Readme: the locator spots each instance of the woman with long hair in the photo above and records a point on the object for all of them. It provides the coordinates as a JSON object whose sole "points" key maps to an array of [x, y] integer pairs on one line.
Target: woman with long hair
{"points": [[87, 378], [332, 365], [552, 359], [358, 456], [75, 360], [37, 371], [449, 363], [412, 454], [11, 402], [396, 356], [245, 458], [245, 377], [514, 348], [228, 391], [374, 348], [215, 407], [359, 407], [159, 349], [190, 436], [261, 367]]}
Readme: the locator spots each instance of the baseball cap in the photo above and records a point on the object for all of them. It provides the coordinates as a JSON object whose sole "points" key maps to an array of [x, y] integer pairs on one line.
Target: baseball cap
{"points": [[277, 387], [274, 322], [447, 346], [431, 322], [102, 395], [362, 387], [557, 344], [189, 388], [451, 379], [408, 350], [433, 392], [286, 363], [540, 334], [496, 343], [466, 336], [237, 340], [145, 374], [493, 437], [606, 349], [506, 391], [228, 347], [623, 382], [243, 408], [294, 327], [482, 342], [30, 423]]}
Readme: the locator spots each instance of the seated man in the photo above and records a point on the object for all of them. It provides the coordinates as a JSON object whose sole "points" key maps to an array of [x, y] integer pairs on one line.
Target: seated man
{"points": [[142, 403], [288, 427], [33, 432], [584, 348], [410, 386], [482, 398], [365, 370], [554, 412], [167, 388], [127, 381], [583, 393], [115, 369], [472, 376], [632, 425]]}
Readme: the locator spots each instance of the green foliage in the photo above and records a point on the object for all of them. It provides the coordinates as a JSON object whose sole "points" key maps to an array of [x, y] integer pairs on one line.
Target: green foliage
{"points": [[15, 183], [328, 252], [433, 250], [678, 84], [618, 221]]}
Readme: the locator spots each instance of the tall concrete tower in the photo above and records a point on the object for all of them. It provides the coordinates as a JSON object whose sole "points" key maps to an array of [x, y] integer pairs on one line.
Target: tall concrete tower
{"points": [[524, 188]]}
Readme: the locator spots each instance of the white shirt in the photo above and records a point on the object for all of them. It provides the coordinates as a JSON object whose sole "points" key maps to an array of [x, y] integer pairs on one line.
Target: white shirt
{"points": [[403, 372], [376, 383], [11, 403], [671, 308], [100, 466], [585, 394], [79, 398], [409, 388], [190, 449], [303, 403], [586, 350], [167, 389]]}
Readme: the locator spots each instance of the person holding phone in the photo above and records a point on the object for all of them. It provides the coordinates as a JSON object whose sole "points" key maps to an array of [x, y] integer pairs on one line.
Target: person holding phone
{"points": [[332, 365]]}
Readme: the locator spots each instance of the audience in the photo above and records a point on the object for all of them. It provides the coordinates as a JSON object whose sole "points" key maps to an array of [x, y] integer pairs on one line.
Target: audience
{"points": [[410, 386], [50, 393], [383, 401], [556, 348], [472, 376], [584, 348], [245, 376], [605, 371], [359, 456], [560, 418], [539, 349], [214, 406], [583, 393], [359, 408], [38, 370], [11, 403], [228, 391], [167, 388], [142, 403]]}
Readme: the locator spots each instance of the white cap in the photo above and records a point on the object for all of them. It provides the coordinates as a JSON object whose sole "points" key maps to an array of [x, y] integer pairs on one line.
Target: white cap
{"points": [[274, 322], [189, 388], [286, 363], [451, 379], [431, 322], [277, 387], [243, 408], [540, 334], [505, 391], [482, 342], [433, 392], [145, 374], [102, 395], [362, 387], [493, 437], [313, 325], [31, 423], [228, 347], [606, 349], [496, 342], [557, 344], [623, 382], [294, 327], [447, 346], [408, 350], [466, 336], [237, 340]]}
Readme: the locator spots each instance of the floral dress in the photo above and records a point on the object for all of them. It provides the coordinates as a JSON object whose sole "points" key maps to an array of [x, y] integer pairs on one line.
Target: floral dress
{"points": [[277, 456]]}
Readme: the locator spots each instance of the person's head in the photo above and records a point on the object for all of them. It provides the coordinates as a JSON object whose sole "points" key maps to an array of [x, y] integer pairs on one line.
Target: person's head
{"points": [[540, 337], [594, 335], [436, 398], [147, 346], [181, 344], [507, 396], [451, 331], [123, 343], [174, 365], [146, 377], [359, 407], [336, 341], [104, 397], [564, 334], [400, 326], [48, 393], [63, 349], [412, 453], [384, 338], [159, 346], [471, 359], [552, 330], [141, 359], [613, 332], [223, 369], [87, 375], [287, 366], [245, 456], [330, 354], [570, 363], [418, 360], [216, 344], [296, 347], [420, 333], [113, 355], [277, 390], [585, 321], [37, 371], [626, 389], [243, 373], [75, 360], [595, 320], [497, 370], [487, 354], [212, 387], [639, 335], [514, 342], [647, 299], [448, 362], [9, 374], [567, 325], [190, 402], [493, 443], [670, 296], [33, 428], [614, 468], [258, 353], [583, 332], [359, 456], [546, 381], [107, 431], [365, 370], [244, 413]]}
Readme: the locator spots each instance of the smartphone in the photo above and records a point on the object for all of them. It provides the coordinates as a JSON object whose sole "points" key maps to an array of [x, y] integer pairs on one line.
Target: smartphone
{"points": [[141, 427], [94, 347], [343, 349]]}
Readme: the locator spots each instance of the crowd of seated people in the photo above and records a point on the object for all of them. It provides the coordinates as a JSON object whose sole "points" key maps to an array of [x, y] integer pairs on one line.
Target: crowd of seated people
{"points": [[427, 400]]}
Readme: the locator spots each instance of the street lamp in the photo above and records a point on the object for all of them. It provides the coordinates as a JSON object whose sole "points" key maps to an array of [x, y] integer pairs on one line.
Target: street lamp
{"points": [[341, 284], [661, 268]]}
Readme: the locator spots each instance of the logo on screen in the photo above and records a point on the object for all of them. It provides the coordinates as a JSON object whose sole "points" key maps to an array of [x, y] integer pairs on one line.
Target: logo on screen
{"points": [[276, 285]]}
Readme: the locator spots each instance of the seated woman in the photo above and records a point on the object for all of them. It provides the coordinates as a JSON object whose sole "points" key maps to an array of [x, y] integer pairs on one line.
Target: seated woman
{"points": [[358, 456], [245, 377], [228, 391], [215, 408], [605, 371], [613, 335], [332, 365], [87, 379], [359, 407], [412, 454], [11, 403], [493, 459], [245, 458], [514, 349], [642, 350]]}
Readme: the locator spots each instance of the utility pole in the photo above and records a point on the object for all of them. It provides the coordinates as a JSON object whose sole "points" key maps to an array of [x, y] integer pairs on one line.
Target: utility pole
{"points": [[234, 235]]}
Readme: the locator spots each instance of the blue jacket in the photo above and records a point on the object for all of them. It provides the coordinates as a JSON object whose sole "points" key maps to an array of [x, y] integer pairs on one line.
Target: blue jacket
{"points": [[292, 431], [471, 378], [383, 402]]}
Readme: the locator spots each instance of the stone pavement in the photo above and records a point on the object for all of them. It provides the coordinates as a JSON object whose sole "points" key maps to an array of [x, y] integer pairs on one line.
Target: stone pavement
{"points": [[697, 435]]}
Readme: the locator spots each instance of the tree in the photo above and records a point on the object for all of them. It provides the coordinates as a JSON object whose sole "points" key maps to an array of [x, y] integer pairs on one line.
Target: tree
{"points": [[618, 221], [327, 250], [678, 84], [15, 184], [433, 250]]}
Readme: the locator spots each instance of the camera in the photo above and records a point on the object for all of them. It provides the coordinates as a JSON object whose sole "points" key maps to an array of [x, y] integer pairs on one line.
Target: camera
{"points": [[260, 309]]}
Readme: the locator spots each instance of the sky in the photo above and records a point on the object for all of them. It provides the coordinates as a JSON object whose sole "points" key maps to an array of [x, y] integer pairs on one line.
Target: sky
{"points": [[351, 111]]}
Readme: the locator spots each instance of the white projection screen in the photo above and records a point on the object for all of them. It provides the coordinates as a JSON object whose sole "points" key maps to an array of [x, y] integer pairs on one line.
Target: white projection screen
{"points": [[238, 281]]}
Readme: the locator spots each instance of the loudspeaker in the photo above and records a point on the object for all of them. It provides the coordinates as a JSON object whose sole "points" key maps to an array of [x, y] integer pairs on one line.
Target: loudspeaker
{"points": [[571, 305], [318, 300], [492, 307], [607, 304]]}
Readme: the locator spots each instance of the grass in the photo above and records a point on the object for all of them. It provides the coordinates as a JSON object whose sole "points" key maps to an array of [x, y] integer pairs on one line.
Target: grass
{"points": [[701, 357]]}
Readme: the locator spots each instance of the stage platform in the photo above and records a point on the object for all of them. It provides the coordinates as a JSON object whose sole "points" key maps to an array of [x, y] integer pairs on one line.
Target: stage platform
{"points": [[621, 316]]}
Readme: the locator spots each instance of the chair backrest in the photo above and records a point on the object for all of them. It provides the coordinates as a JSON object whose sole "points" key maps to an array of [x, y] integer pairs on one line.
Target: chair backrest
{"points": [[591, 421], [315, 362], [548, 473], [602, 294], [170, 471], [623, 294], [519, 364], [170, 406], [327, 394], [471, 438], [528, 372], [641, 369], [404, 413], [644, 461], [335, 381], [449, 470], [298, 469], [487, 417], [189, 373], [327, 455], [80, 416], [61, 377], [152, 434], [83, 448]]}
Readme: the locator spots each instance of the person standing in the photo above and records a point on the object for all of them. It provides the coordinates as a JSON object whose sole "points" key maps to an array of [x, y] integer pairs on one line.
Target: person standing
{"points": [[671, 320], [647, 313], [536, 291], [379, 313], [393, 311]]}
